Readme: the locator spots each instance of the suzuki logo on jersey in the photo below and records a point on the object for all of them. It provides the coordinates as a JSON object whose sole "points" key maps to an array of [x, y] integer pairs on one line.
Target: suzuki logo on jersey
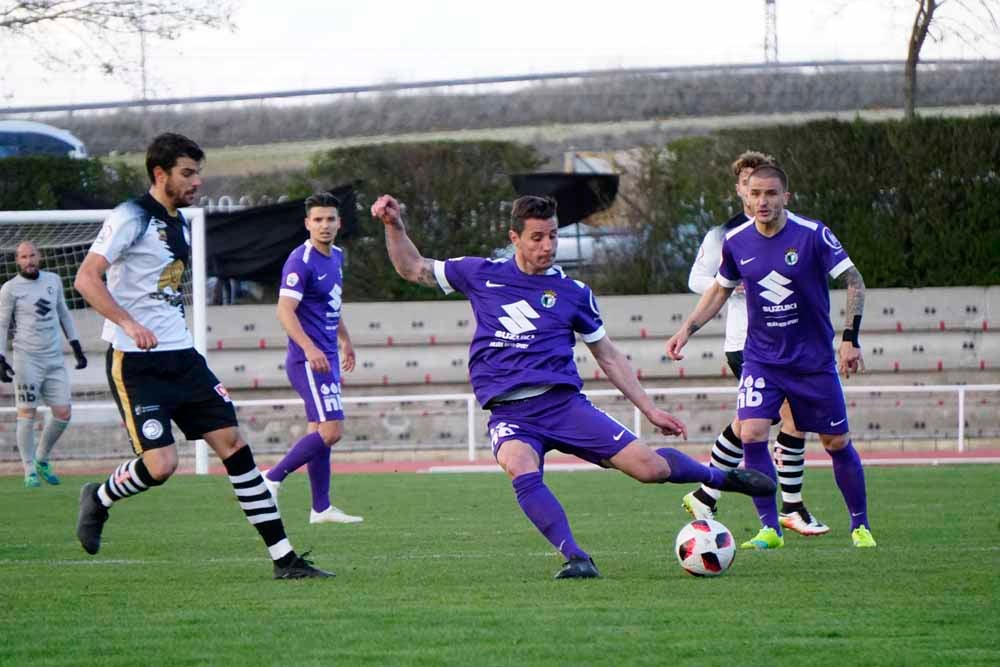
{"points": [[43, 307], [336, 299], [520, 314], [774, 287]]}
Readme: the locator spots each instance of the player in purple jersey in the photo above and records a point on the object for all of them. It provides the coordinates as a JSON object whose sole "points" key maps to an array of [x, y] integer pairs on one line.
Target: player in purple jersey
{"points": [[309, 300], [528, 313], [727, 452], [783, 261]]}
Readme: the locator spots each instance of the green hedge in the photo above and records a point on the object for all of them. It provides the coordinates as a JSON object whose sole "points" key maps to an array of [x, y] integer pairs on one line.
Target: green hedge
{"points": [[916, 204], [41, 183]]}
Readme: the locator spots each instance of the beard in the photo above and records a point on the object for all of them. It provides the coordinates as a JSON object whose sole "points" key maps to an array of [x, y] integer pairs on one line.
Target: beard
{"points": [[31, 274], [176, 196]]}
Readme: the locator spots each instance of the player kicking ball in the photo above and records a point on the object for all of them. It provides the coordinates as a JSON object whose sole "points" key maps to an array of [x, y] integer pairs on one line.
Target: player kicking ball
{"points": [[528, 314]]}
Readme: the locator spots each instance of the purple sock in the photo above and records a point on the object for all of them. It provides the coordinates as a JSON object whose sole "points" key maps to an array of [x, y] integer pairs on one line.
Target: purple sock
{"points": [[756, 456], [319, 479], [301, 453], [850, 478], [685, 470], [544, 510]]}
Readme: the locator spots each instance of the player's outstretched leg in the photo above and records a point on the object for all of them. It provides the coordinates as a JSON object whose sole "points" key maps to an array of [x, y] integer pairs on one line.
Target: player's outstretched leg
{"points": [[790, 459], [684, 469], [319, 483], [727, 452], [850, 476], [262, 512], [543, 509], [129, 479], [306, 449], [758, 458]]}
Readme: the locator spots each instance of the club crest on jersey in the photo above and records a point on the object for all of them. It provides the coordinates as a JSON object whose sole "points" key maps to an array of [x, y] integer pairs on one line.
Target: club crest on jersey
{"points": [[548, 298], [791, 257], [292, 279]]}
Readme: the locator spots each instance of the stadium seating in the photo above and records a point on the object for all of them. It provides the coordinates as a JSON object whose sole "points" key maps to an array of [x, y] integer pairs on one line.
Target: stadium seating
{"points": [[426, 343]]}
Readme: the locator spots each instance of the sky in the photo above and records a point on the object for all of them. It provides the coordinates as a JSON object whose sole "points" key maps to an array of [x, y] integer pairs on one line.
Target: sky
{"points": [[296, 44]]}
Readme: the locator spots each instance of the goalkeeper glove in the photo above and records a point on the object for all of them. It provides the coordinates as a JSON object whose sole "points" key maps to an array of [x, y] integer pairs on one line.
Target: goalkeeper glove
{"points": [[6, 372], [81, 361]]}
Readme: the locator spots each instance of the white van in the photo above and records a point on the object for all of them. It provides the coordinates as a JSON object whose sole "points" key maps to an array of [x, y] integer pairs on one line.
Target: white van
{"points": [[25, 137]]}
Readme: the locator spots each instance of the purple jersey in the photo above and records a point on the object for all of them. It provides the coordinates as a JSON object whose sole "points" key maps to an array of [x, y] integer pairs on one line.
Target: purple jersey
{"points": [[788, 298], [316, 282], [525, 324]]}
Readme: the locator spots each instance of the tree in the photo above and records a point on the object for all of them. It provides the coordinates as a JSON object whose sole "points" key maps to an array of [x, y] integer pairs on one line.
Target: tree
{"points": [[969, 21], [71, 33]]}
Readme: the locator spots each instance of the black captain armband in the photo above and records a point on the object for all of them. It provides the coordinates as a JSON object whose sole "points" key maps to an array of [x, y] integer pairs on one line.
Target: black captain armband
{"points": [[851, 335]]}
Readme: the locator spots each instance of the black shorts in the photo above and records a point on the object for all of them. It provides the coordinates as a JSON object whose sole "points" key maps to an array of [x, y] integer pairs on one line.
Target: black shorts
{"points": [[153, 388], [735, 360]]}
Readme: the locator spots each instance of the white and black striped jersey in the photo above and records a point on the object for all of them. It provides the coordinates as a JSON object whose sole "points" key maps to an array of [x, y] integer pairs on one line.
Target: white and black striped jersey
{"points": [[148, 251], [37, 310]]}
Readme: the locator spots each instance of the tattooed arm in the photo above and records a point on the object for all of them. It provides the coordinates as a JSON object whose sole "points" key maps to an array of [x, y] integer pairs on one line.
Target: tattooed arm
{"points": [[849, 350], [709, 304], [405, 257]]}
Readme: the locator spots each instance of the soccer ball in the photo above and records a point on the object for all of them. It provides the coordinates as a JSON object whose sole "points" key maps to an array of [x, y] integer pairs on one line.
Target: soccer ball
{"points": [[705, 548]]}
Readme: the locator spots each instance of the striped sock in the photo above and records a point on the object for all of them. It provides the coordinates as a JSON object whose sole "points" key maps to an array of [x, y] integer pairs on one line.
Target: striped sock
{"points": [[790, 460], [129, 479], [258, 505], [727, 452]]}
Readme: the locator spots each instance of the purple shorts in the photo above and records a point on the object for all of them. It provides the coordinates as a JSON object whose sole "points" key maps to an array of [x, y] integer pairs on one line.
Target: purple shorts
{"points": [[562, 419], [816, 399], [320, 391]]}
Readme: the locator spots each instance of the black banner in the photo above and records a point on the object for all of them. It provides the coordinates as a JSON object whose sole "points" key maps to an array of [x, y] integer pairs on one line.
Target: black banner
{"points": [[254, 243], [577, 195]]}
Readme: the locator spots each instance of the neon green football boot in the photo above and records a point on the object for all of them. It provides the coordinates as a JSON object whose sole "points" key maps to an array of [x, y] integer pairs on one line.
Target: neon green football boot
{"points": [[862, 538], [31, 480], [44, 471], [767, 538]]}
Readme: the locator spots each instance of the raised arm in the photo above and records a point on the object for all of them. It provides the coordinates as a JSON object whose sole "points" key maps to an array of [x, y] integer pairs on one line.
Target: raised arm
{"points": [[849, 351], [709, 304], [90, 285], [405, 257]]}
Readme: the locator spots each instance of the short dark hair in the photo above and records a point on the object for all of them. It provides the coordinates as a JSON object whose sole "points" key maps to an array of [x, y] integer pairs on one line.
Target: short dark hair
{"points": [[166, 148], [529, 207], [321, 199], [771, 170]]}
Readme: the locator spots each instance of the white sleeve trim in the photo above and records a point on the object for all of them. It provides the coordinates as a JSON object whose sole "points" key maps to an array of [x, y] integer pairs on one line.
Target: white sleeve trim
{"points": [[726, 282], [845, 264], [291, 294], [594, 336], [441, 277]]}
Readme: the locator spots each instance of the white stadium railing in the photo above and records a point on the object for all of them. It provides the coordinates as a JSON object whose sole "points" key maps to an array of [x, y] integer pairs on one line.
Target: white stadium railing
{"points": [[471, 407]]}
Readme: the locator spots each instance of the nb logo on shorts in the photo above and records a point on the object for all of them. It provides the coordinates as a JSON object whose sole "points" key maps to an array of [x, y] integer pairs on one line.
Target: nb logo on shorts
{"points": [[331, 396], [502, 430], [749, 398]]}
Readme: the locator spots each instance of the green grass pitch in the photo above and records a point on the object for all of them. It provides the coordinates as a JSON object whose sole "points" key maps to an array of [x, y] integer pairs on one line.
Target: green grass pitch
{"points": [[446, 570]]}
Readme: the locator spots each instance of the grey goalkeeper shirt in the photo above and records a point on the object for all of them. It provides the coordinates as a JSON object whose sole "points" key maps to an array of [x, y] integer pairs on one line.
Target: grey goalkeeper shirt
{"points": [[36, 309]]}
